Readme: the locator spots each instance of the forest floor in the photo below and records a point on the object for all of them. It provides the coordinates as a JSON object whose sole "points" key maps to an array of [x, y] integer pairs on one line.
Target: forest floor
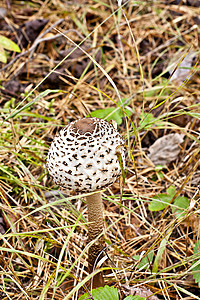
{"points": [[137, 65]]}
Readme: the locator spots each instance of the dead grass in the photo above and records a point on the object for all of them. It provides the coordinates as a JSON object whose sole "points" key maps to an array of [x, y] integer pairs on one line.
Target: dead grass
{"points": [[43, 231]]}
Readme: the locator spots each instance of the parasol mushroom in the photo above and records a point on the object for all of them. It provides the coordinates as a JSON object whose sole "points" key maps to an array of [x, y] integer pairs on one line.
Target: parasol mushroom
{"points": [[83, 157]]}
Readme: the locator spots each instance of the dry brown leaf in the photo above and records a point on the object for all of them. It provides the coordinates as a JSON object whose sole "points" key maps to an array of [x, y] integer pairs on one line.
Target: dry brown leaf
{"points": [[183, 69], [142, 292], [165, 149], [2, 226]]}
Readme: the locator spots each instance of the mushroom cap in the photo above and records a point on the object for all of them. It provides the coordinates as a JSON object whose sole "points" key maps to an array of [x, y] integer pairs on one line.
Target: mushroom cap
{"points": [[83, 156]]}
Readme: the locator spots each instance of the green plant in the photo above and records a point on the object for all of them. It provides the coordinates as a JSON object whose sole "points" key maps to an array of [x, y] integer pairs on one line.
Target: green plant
{"points": [[161, 201], [146, 120], [113, 113], [7, 44], [196, 264], [144, 262], [107, 293]]}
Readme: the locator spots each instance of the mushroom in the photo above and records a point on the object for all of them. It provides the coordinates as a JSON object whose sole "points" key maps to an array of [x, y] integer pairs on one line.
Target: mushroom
{"points": [[83, 158]]}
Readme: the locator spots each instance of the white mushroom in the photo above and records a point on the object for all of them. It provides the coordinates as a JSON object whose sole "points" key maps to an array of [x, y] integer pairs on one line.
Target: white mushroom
{"points": [[84, 157]]}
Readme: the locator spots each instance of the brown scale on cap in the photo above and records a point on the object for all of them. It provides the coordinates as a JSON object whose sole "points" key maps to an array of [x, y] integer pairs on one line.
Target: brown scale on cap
{"points": [[84, 125]]}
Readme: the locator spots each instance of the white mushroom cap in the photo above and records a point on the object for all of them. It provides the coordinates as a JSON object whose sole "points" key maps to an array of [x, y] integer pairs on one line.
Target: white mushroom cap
{"points": [[83, 156]]}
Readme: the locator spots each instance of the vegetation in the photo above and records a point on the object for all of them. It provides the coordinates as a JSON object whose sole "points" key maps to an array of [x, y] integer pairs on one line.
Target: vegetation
{"points": [[136, 64]]}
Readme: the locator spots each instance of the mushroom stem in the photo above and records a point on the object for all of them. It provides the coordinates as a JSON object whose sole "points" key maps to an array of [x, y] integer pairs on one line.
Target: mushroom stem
{"points": [[95, 228]]}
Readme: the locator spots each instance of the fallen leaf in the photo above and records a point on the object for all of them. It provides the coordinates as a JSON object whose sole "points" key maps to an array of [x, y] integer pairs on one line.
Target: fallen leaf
{"points": [[3, 13], [165, 149], [28, 32], [183, 68], [2, 226], [195, 3], [78, 61], [140, 291]]}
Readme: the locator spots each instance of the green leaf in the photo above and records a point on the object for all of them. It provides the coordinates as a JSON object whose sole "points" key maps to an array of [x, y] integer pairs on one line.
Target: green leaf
{"points": [[197, 248], [160, 201], [131, 297], [102, 293], [104, 113], [110, 113], [8, 44], [196, 275], [145, 260], [180, 205], [3, 57], [171, 191], [113, 113], [146, 120], [160, 252]]}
